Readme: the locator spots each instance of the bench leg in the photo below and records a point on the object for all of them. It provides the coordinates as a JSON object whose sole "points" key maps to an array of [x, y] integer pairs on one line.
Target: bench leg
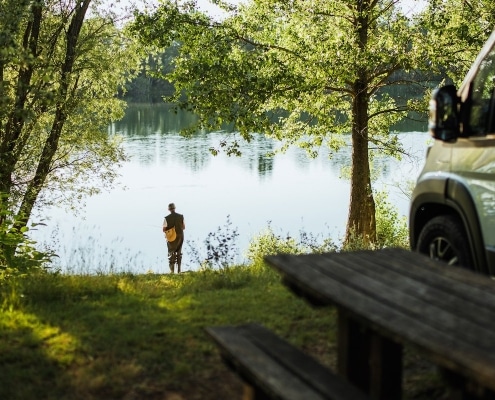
{"points": [[369, 361]]}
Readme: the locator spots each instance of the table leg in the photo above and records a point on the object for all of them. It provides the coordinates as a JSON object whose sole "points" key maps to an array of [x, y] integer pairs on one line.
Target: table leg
{"points": [[368, 360]]}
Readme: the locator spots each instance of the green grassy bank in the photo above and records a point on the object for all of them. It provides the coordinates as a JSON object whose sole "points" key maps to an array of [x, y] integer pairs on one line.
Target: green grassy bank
{"points": [[130, 336]]}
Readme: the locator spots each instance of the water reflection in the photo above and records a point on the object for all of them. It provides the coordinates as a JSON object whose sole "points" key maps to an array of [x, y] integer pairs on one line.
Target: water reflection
{"points": [[153, 129], [151, 133], [145, 119]]}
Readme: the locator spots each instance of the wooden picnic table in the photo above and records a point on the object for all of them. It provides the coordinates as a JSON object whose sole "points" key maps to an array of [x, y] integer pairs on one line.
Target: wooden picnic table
{"points": [[390, 298]]}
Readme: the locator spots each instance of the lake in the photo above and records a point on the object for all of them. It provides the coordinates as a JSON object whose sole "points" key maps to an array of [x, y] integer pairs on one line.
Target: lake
{"points": [[120, 230]]}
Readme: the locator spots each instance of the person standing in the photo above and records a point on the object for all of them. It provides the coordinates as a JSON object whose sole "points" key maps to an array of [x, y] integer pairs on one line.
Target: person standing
{"points": [[174, 247]]}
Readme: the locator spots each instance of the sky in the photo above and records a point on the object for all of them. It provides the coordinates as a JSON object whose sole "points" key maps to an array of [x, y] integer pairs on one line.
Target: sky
{"points": [[408, 6], [123, 6]]}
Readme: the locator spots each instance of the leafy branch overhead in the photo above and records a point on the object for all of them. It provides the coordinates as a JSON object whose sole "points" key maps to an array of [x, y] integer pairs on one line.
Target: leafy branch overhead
{"points": [[283, 70]]}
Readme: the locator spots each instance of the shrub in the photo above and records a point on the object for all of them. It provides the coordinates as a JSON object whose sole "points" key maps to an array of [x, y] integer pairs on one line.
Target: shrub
{"points": [[267, 242], [221, 250], [18, 258], [391, 228]]}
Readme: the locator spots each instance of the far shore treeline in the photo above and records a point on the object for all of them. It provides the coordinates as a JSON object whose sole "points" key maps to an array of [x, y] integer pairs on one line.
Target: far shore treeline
{"points": [[150, 85]]}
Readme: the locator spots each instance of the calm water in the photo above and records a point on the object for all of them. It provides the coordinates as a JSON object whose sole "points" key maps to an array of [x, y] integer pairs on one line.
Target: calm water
{"points": [[121, 230]]}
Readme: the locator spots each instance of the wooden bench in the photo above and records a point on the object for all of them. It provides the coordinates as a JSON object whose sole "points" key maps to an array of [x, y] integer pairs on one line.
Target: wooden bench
{"points": [[273, 369]]}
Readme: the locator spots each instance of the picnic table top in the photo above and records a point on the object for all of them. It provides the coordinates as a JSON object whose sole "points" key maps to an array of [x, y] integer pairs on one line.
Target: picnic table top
{"points": [[446, 312]]}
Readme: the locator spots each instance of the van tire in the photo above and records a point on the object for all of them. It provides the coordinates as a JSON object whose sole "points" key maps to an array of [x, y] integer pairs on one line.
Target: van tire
{"points": [[443, 238]]}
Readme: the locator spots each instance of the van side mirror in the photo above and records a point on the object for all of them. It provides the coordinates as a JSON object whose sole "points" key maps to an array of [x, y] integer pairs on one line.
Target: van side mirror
{"points": [[443, 122]]}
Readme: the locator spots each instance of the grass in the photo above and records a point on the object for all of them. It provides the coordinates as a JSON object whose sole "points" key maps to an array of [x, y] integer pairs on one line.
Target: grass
{"points": [[128, 336]]}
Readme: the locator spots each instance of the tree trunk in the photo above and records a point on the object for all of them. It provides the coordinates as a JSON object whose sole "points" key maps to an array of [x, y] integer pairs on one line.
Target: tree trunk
{"points": [[12, 130], [361, 220], [51, 145], [361, 223]]}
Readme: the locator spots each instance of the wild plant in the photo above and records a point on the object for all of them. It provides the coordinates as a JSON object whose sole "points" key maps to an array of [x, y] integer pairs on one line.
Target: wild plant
{"points": [[19, 257], [268, 242], [391, 228], [220, 248]]}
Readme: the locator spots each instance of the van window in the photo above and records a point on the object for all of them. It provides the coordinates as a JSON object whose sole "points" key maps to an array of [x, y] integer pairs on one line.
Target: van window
{"points": [[482, 103]]}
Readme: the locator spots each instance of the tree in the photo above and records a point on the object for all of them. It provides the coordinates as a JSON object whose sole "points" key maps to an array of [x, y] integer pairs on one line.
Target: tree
{"points": [[308, 73], [59, 73], [454, 38]]}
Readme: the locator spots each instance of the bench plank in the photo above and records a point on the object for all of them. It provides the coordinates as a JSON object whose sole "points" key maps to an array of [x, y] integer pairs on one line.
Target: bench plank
{"points": [[446, 312], [278, 369]]}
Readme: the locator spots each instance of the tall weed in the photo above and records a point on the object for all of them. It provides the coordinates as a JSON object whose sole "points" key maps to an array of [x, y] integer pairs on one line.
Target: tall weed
{"points": [[391, 228], [19, 257], [268, 242], [220, 248], [392, 231]]}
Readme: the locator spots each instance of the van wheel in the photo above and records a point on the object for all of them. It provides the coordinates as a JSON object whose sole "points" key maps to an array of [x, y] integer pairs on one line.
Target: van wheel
{"points": [[443, 238]]}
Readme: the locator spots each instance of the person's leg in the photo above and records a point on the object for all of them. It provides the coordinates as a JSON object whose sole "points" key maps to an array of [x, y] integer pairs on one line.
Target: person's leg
{"points": [[179, 261], [171, 256], [171, 261], [179, 253]]}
